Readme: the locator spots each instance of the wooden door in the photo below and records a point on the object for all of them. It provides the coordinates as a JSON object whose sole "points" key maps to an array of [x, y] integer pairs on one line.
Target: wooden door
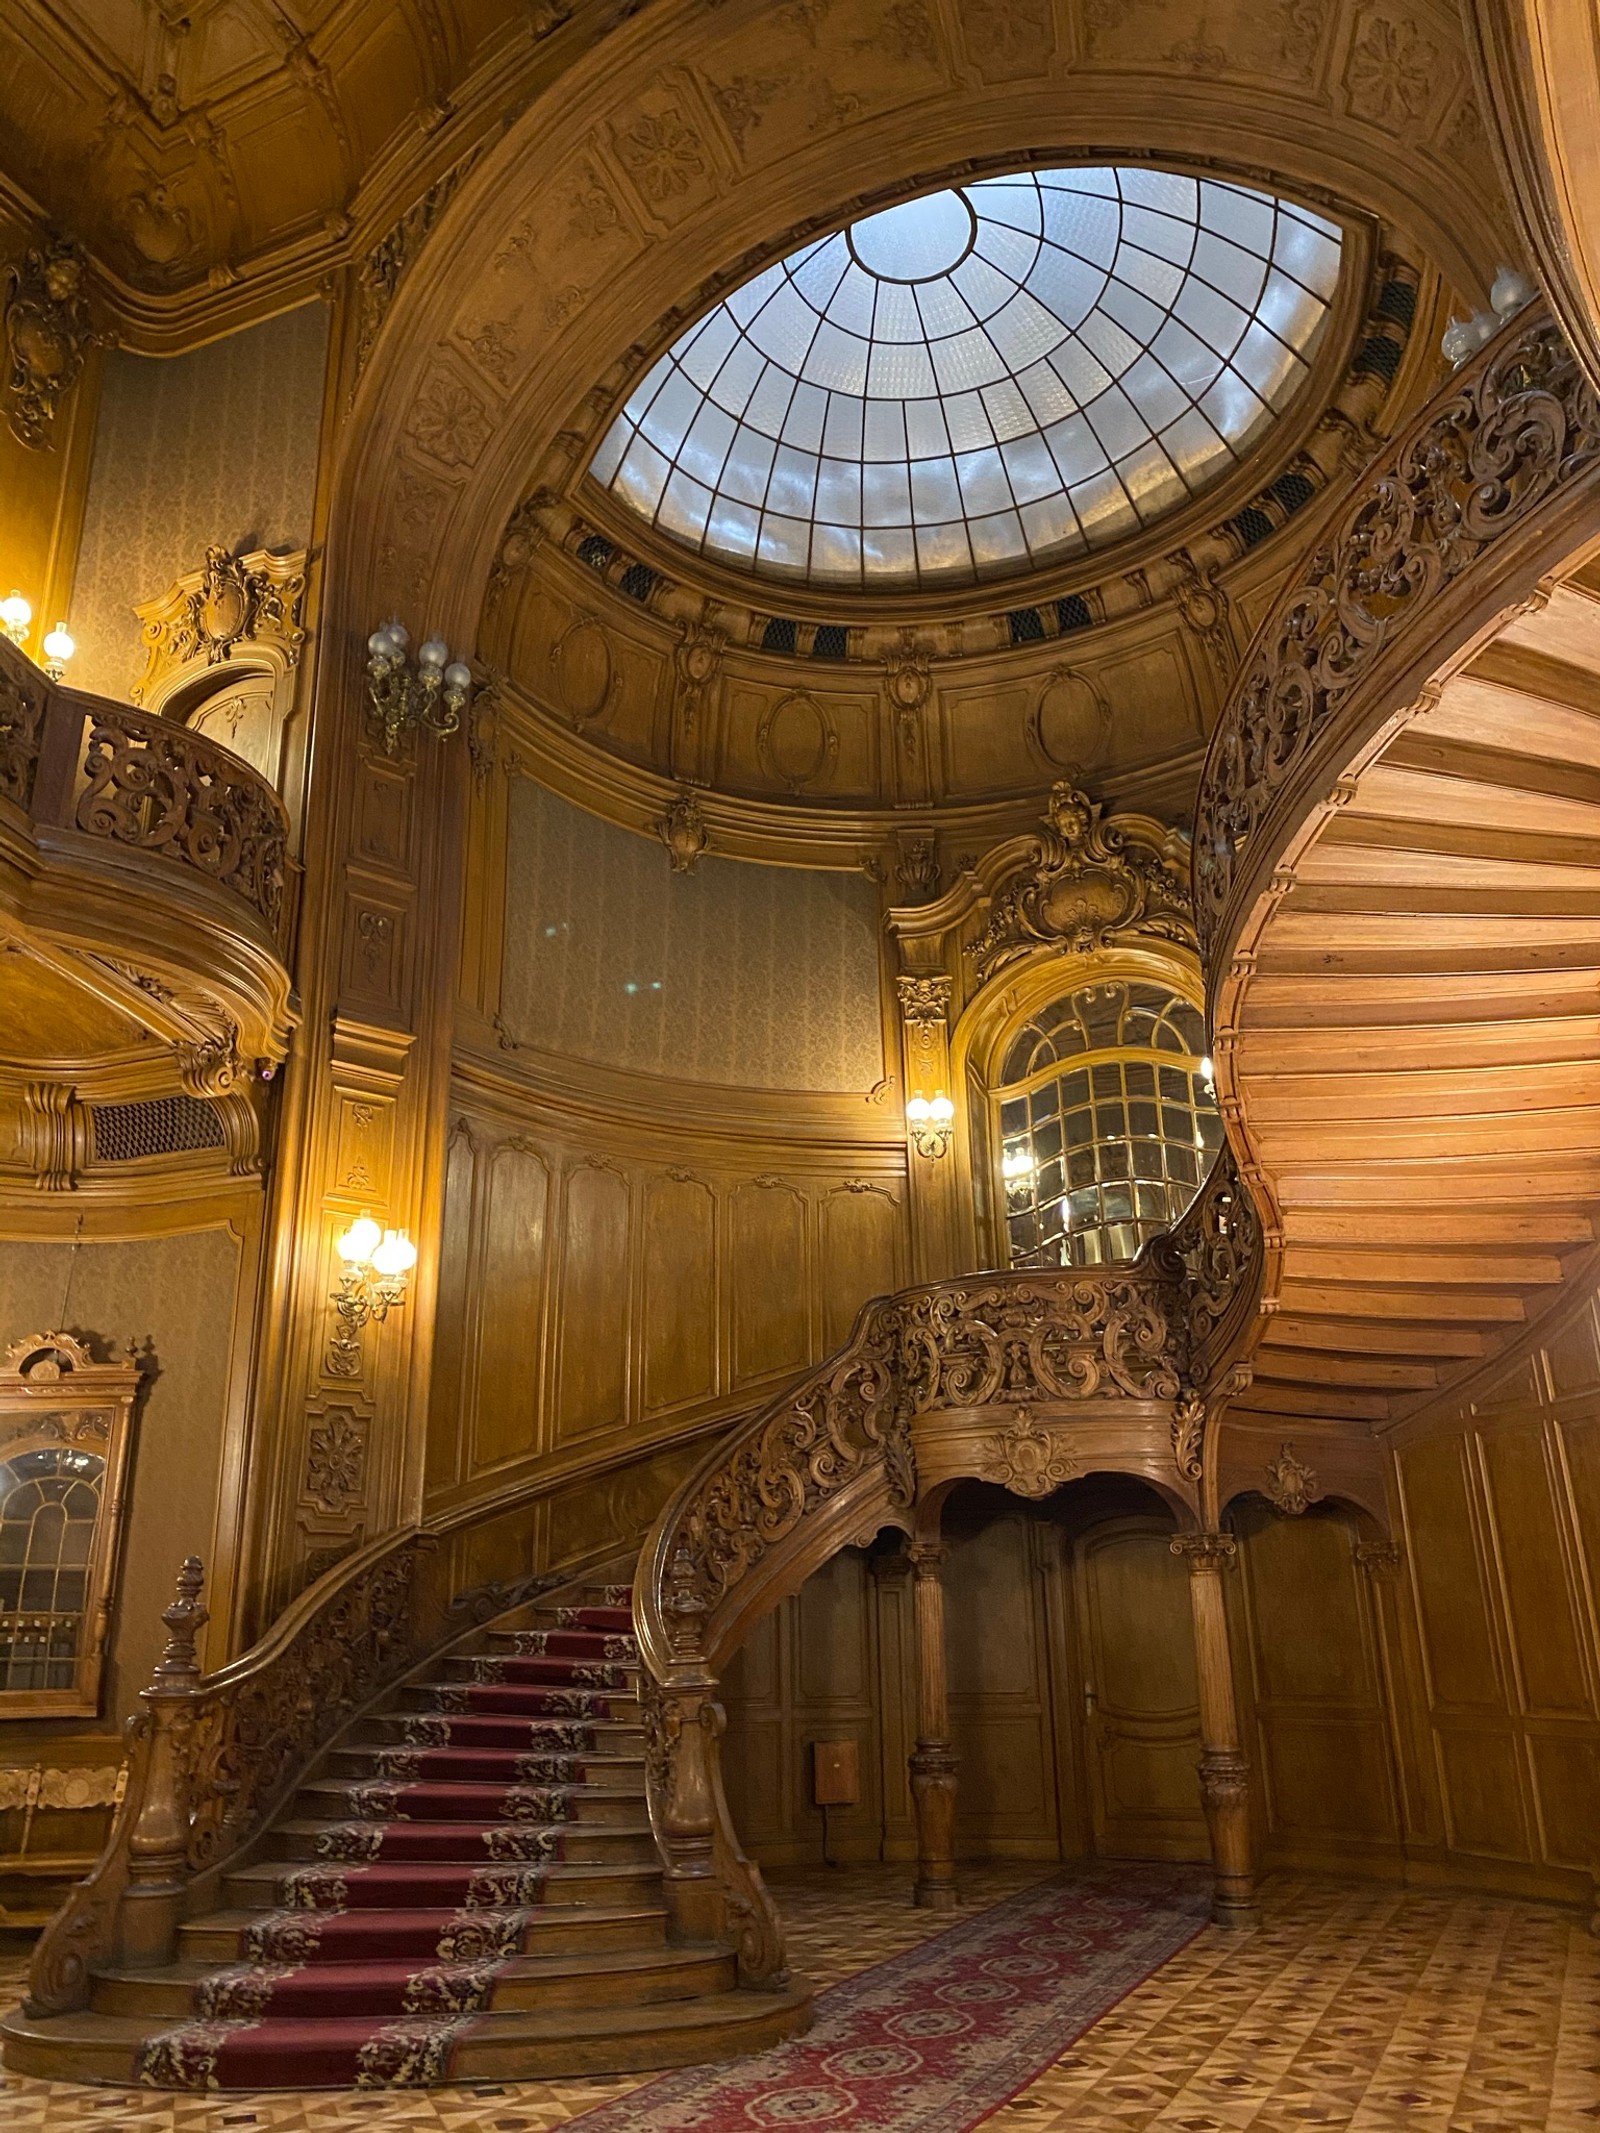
{"points": [[1141, 1730]]}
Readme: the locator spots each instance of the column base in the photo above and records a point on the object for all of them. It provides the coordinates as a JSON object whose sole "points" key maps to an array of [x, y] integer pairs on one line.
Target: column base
{"points": [[935, 1896], [1242, 1914]]}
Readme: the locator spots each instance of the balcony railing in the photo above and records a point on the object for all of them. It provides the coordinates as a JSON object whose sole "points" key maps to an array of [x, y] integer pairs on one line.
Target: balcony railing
{"points": [[140, 783]]}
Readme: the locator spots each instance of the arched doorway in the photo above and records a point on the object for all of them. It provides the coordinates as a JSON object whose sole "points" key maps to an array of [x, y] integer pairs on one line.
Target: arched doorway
{"points": [[1073, 1703]]}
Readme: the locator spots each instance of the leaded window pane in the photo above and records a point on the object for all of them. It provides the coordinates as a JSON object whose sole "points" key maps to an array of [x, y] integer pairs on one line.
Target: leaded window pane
{"points": [[1133, 1164]]}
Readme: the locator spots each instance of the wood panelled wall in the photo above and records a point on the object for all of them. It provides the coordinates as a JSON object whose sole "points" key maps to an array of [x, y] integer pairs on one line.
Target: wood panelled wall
{"points": [[1424, 1713], [609, 1283], [1498, 1504], [1071, 1686]]}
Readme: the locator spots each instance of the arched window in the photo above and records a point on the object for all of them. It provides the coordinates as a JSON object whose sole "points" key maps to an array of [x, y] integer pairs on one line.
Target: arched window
{"points": [[49, 1507], [1106, 1123]]}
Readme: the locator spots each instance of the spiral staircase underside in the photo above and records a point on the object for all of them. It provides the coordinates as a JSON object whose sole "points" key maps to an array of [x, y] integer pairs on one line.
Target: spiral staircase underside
{"points": [[1417, 1051]]}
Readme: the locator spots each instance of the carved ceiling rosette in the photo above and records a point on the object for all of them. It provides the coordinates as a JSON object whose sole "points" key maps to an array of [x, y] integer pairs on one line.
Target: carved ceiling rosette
{"points": [[1086, 882]]}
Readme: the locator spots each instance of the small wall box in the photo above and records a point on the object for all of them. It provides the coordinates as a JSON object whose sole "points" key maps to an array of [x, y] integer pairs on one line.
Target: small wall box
{"points": [[836, 1773]]}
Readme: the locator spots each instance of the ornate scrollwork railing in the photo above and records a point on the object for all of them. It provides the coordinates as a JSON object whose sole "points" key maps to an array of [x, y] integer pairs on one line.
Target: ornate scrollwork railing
{"points": [[1449, 526], [211, 1757], [132, 779], [833, 1460]]}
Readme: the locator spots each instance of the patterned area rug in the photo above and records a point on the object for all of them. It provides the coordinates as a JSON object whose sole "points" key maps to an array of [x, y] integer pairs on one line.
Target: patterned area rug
{"points": [[935, 2040]]}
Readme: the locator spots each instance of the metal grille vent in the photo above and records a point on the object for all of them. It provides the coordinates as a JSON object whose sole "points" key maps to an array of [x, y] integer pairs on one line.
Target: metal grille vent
{"points": [[166, 1125]]}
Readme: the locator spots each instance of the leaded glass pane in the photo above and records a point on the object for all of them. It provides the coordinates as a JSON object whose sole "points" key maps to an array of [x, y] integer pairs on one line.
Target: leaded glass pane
{"points": [[1133, 1162], [1024, 366]]}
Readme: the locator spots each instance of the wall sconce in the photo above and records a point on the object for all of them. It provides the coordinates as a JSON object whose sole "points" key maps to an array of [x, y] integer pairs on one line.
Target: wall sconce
{"points": [[930, 1118], [58, 649], [16, 616], [432, 695], [377, 1266]]}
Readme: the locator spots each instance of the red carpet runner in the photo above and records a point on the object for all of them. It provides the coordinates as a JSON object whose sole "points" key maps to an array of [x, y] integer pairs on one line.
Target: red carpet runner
{"points": [[389, 1943], [934, 2040]]}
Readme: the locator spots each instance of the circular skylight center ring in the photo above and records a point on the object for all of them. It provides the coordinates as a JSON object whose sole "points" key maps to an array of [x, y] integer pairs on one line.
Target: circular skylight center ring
{"points": [[917, 241]]}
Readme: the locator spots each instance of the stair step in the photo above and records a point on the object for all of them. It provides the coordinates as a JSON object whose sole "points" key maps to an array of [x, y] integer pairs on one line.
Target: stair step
{"points": [[446, 1800], [475, 1843], [220, 1936], [261, 1884], [620, 1977], [531, 2044]]}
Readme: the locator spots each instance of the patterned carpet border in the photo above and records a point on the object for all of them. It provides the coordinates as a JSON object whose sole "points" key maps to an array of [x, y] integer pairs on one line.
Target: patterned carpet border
{"points": [[937, 2038]]}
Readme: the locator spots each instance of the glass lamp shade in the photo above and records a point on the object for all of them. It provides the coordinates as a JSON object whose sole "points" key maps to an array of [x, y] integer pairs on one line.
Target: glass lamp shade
{"points": [[59, 646], [918, 1111], [396, 1254], [434, 653], [15, 616], [360, 1242], [458, 675]]}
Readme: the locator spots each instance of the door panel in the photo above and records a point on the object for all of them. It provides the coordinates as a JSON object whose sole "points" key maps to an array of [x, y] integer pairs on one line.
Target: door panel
{"points": [[1142, 1717]]}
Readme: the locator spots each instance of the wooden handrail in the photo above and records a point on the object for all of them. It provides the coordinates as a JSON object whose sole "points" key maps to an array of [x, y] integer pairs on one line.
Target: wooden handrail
{"points": [[211, 1757], [1451, 526], [833, 1460]]}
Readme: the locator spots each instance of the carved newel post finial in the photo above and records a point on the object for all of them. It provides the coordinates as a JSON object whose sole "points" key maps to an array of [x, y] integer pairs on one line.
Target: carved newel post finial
{"points": [[158, 1849], [185, 1617]]}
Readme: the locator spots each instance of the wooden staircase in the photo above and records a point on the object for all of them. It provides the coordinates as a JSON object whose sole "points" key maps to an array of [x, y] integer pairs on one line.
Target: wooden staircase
{"points": [[1417, 1058], [466, 1889]]}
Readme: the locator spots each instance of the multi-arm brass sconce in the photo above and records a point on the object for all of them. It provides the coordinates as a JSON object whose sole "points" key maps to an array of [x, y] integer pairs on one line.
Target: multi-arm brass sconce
{"points": [[377, 1271]]}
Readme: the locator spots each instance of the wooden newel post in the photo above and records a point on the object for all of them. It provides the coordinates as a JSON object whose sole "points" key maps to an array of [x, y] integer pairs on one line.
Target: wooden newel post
{"points": [[158, 1848], [934, 1761], [685, 1725], [1224, 1771]]}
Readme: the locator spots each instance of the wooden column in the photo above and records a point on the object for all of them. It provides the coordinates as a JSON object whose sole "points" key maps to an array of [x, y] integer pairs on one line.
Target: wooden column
{"points": [[1224, 1771], [933, 1762]]}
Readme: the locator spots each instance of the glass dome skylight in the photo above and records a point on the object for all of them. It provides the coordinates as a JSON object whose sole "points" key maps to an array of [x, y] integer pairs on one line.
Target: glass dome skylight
{"points": [[979, 381]]}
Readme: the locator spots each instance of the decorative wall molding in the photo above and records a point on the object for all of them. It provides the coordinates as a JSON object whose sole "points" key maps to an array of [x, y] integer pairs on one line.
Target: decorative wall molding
{"points": [[231, 602], [1088, 881], [48, 334], [1291, 1486]]}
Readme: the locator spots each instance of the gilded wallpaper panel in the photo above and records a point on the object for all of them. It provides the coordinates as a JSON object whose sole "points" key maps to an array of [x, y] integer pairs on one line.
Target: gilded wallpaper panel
{"points": [[752, 976], [217, 446]]}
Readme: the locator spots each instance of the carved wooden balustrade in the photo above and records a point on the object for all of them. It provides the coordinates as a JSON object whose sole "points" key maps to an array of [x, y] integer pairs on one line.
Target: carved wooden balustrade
{"points": [[1450, 527], [211, 1757], [836, 1459], [139, 783]]}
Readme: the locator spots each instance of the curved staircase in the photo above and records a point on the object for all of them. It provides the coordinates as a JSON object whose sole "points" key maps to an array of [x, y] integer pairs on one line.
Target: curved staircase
{"points": [[1398, 867], [468, 1889]]}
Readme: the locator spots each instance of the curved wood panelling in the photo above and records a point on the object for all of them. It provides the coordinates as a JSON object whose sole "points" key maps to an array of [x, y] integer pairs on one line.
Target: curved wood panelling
{"points": [[1398, 856]]}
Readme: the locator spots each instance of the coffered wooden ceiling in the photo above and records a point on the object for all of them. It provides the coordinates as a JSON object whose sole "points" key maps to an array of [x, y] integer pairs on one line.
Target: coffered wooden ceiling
{"points": [[180, 141]]}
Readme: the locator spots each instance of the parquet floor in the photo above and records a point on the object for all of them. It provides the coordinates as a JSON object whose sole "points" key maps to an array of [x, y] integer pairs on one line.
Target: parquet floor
{"points": [[1354, 2007]]}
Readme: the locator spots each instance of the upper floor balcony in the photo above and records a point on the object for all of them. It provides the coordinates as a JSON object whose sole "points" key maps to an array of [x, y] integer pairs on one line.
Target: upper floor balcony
{"points": [[146, 903]]}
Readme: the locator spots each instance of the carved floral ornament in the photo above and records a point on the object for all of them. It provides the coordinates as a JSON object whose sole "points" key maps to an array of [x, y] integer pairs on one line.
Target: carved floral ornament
{"points": [[1086, 882], [48, 335], [232, 600], [1027, 1458]]}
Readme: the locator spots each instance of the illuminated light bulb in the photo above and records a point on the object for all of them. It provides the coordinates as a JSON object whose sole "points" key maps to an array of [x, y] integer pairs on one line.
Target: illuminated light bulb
{"points": [[15, 616], [919, 1110], [941, 1110], [58, 649], [1016, 1163], [359, 1242], [396, 1254]]}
